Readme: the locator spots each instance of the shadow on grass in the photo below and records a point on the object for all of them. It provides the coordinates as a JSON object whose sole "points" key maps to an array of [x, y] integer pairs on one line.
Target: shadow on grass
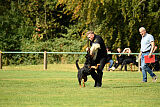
{"points": [[133, 86], [136, 86], [127, 86]]}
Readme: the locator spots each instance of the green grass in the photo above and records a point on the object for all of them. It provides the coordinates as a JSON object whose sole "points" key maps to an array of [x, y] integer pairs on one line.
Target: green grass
{"points": [[29, 86]]}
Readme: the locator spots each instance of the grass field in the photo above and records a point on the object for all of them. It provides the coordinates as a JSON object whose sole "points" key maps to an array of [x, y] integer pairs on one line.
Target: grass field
{"points": [[29, 86]]}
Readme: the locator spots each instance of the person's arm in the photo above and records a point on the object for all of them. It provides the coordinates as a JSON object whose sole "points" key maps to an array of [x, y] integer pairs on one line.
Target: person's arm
{"points": [[155, 48], [129, 51], [124, 50], [152, 44]]}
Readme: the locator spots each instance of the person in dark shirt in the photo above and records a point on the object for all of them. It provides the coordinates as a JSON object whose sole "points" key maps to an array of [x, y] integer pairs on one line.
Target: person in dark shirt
{"points": [[128, 59], [98, 51], [119, 59]]}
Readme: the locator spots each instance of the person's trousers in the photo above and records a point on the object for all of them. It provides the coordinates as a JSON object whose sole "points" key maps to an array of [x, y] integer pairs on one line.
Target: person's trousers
{"points": [[125, 62], [111, 63], [117, 64], [145, 68], [98, 76]]}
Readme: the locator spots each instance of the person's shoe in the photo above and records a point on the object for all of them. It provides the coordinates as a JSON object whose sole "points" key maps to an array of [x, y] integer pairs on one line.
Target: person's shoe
{"points": [[143, 81], [97, 85], [113, 68], [154, 79]]}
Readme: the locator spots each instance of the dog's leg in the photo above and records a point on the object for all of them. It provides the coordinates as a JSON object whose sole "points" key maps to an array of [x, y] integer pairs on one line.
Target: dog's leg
{"points": [[83, 84], [95, 67], [80, 86]]}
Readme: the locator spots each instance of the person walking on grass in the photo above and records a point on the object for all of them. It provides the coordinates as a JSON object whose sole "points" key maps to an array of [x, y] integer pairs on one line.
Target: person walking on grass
{"points": [[147, 46]]}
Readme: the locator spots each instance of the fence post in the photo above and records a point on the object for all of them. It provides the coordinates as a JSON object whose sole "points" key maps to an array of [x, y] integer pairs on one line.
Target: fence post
{"points": [[139, 65], [0, 60], [45, 60]]}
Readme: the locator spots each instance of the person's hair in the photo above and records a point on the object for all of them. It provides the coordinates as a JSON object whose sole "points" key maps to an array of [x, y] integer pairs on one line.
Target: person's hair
{"points": [[89, 32], [119, 48], [142, 28]]}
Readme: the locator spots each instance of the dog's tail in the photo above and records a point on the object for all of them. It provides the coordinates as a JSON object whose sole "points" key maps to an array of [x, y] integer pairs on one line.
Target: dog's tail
{"points": [[77, 64], [79, 75]]}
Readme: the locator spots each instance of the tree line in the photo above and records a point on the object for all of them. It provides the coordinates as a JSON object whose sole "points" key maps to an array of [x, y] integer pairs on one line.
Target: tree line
{"points": [[60, 25]]}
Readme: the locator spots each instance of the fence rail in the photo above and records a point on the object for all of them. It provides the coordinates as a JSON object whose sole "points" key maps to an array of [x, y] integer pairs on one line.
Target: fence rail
{"points": [[45, 55], [48, 52], [71, 53]]}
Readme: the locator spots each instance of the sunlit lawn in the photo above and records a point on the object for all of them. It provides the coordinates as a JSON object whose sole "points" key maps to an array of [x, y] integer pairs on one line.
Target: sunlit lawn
{"points": [[31, 86]]}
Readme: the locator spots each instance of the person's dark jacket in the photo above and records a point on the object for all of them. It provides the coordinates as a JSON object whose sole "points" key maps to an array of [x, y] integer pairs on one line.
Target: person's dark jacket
{"points": [[102, 53]]}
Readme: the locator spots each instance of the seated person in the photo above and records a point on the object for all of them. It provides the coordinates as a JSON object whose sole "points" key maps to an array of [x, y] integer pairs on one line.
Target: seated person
{"points": [[128, 59], [119, 59], [109, 58]]}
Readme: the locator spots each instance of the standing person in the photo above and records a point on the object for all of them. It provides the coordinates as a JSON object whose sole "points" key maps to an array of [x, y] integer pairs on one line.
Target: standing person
{"points": [[98, 51], [147, 46]]}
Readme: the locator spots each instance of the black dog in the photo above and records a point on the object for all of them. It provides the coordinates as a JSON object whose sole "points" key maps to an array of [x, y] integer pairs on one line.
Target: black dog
{"points": [[85, 70]]}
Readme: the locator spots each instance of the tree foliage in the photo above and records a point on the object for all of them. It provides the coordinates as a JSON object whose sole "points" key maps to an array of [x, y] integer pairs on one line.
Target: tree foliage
{"points": [[28, 25]]}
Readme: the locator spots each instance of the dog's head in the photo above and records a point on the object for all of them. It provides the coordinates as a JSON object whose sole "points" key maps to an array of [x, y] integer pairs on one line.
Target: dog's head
{"points": [[89, 60]]}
